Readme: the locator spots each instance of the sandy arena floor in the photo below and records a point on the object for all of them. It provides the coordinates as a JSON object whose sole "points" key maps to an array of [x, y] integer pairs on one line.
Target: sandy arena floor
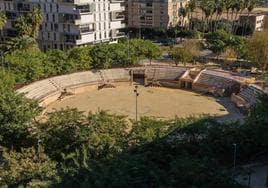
{"points": [[152, 101]]}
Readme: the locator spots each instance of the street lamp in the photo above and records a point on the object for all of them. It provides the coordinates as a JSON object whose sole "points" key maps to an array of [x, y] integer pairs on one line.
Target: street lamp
{"points": [[235, 148], [136, 94]]}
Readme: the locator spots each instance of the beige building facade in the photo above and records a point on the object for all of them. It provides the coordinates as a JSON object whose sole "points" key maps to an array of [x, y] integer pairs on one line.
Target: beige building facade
{"points": [[154, 13]]}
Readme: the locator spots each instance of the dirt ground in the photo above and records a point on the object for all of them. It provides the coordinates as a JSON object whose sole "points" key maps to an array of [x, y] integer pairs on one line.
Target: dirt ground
{"points": [[152, 101]]}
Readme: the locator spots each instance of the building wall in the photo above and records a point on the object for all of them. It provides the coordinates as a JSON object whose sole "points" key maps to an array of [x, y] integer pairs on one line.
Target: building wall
{"points": [[69, 23], [257, 21], [154, 13]]}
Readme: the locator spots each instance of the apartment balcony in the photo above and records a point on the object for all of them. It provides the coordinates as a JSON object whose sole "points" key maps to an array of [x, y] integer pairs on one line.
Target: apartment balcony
{"points": [[85, 9], [115, 16], [117, 1], [76, 2], [123, 8], [21, 7], [117, 34], [69, 37], [11, 15], [87, 29], [68, 18]]}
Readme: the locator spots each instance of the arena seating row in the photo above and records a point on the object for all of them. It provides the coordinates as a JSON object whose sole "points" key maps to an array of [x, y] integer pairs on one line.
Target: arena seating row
{"points": [[250, 94], [116, 74], [41, 89], [164, 73], [38, 90], [215, 80]]}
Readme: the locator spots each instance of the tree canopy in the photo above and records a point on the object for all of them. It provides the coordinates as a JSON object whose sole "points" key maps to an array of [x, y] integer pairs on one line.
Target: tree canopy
{"points": [[258, 49]]}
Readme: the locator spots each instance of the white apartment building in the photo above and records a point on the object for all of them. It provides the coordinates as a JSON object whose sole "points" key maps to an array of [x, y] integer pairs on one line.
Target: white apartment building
{"points": [[68, 23]]}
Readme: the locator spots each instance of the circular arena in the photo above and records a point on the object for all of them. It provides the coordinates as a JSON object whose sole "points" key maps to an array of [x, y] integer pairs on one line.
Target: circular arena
{"points": [[164, 92]]}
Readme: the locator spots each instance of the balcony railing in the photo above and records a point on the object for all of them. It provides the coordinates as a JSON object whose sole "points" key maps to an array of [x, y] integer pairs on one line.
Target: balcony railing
{"points": [[69, 38], [117, 16], [117, 34], [117, 1]]}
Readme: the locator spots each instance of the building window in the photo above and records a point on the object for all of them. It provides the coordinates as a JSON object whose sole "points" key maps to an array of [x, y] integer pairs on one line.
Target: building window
{"points": [[56, 27]]}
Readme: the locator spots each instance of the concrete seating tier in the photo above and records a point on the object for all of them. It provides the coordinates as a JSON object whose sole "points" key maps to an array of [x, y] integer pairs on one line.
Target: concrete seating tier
{"points": [[250, 94], [164, 73], [215, 80], [76, 79], [41, 89], [38, 90], [116, 74]]}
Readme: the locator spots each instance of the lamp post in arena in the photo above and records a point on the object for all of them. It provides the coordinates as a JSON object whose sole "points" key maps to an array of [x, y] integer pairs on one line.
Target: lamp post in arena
{"points": [[136, 94]]}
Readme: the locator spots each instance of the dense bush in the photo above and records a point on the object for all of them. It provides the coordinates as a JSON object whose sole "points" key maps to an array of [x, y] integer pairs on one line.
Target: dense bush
{"points": [[220, 40], [31, 64]]}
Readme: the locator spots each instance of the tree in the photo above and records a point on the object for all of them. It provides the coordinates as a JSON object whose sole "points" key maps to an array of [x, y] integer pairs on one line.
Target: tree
{"points": [[23, 43], [81, 58], [58, 62], [218, 8], [258, 50], [192, 6], [217, 41], [35, 19], [151, 50], [250, 5], [148, 130], [23, 26], [29, 168], [16, 114], [182, 14], [28, 25], [7, 80], [3, 19], [207, 7], [27, 66], [181, 55], [189, 50], [102, 133]]}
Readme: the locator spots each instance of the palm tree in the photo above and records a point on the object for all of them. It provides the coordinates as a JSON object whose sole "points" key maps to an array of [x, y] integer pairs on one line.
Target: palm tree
{"points": [[191, 7], [207, 7], [228, 6], [3, 20], [219, 8], [36, 20], [183, 13], [22, 26], [238, 6], [250, 6]]}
